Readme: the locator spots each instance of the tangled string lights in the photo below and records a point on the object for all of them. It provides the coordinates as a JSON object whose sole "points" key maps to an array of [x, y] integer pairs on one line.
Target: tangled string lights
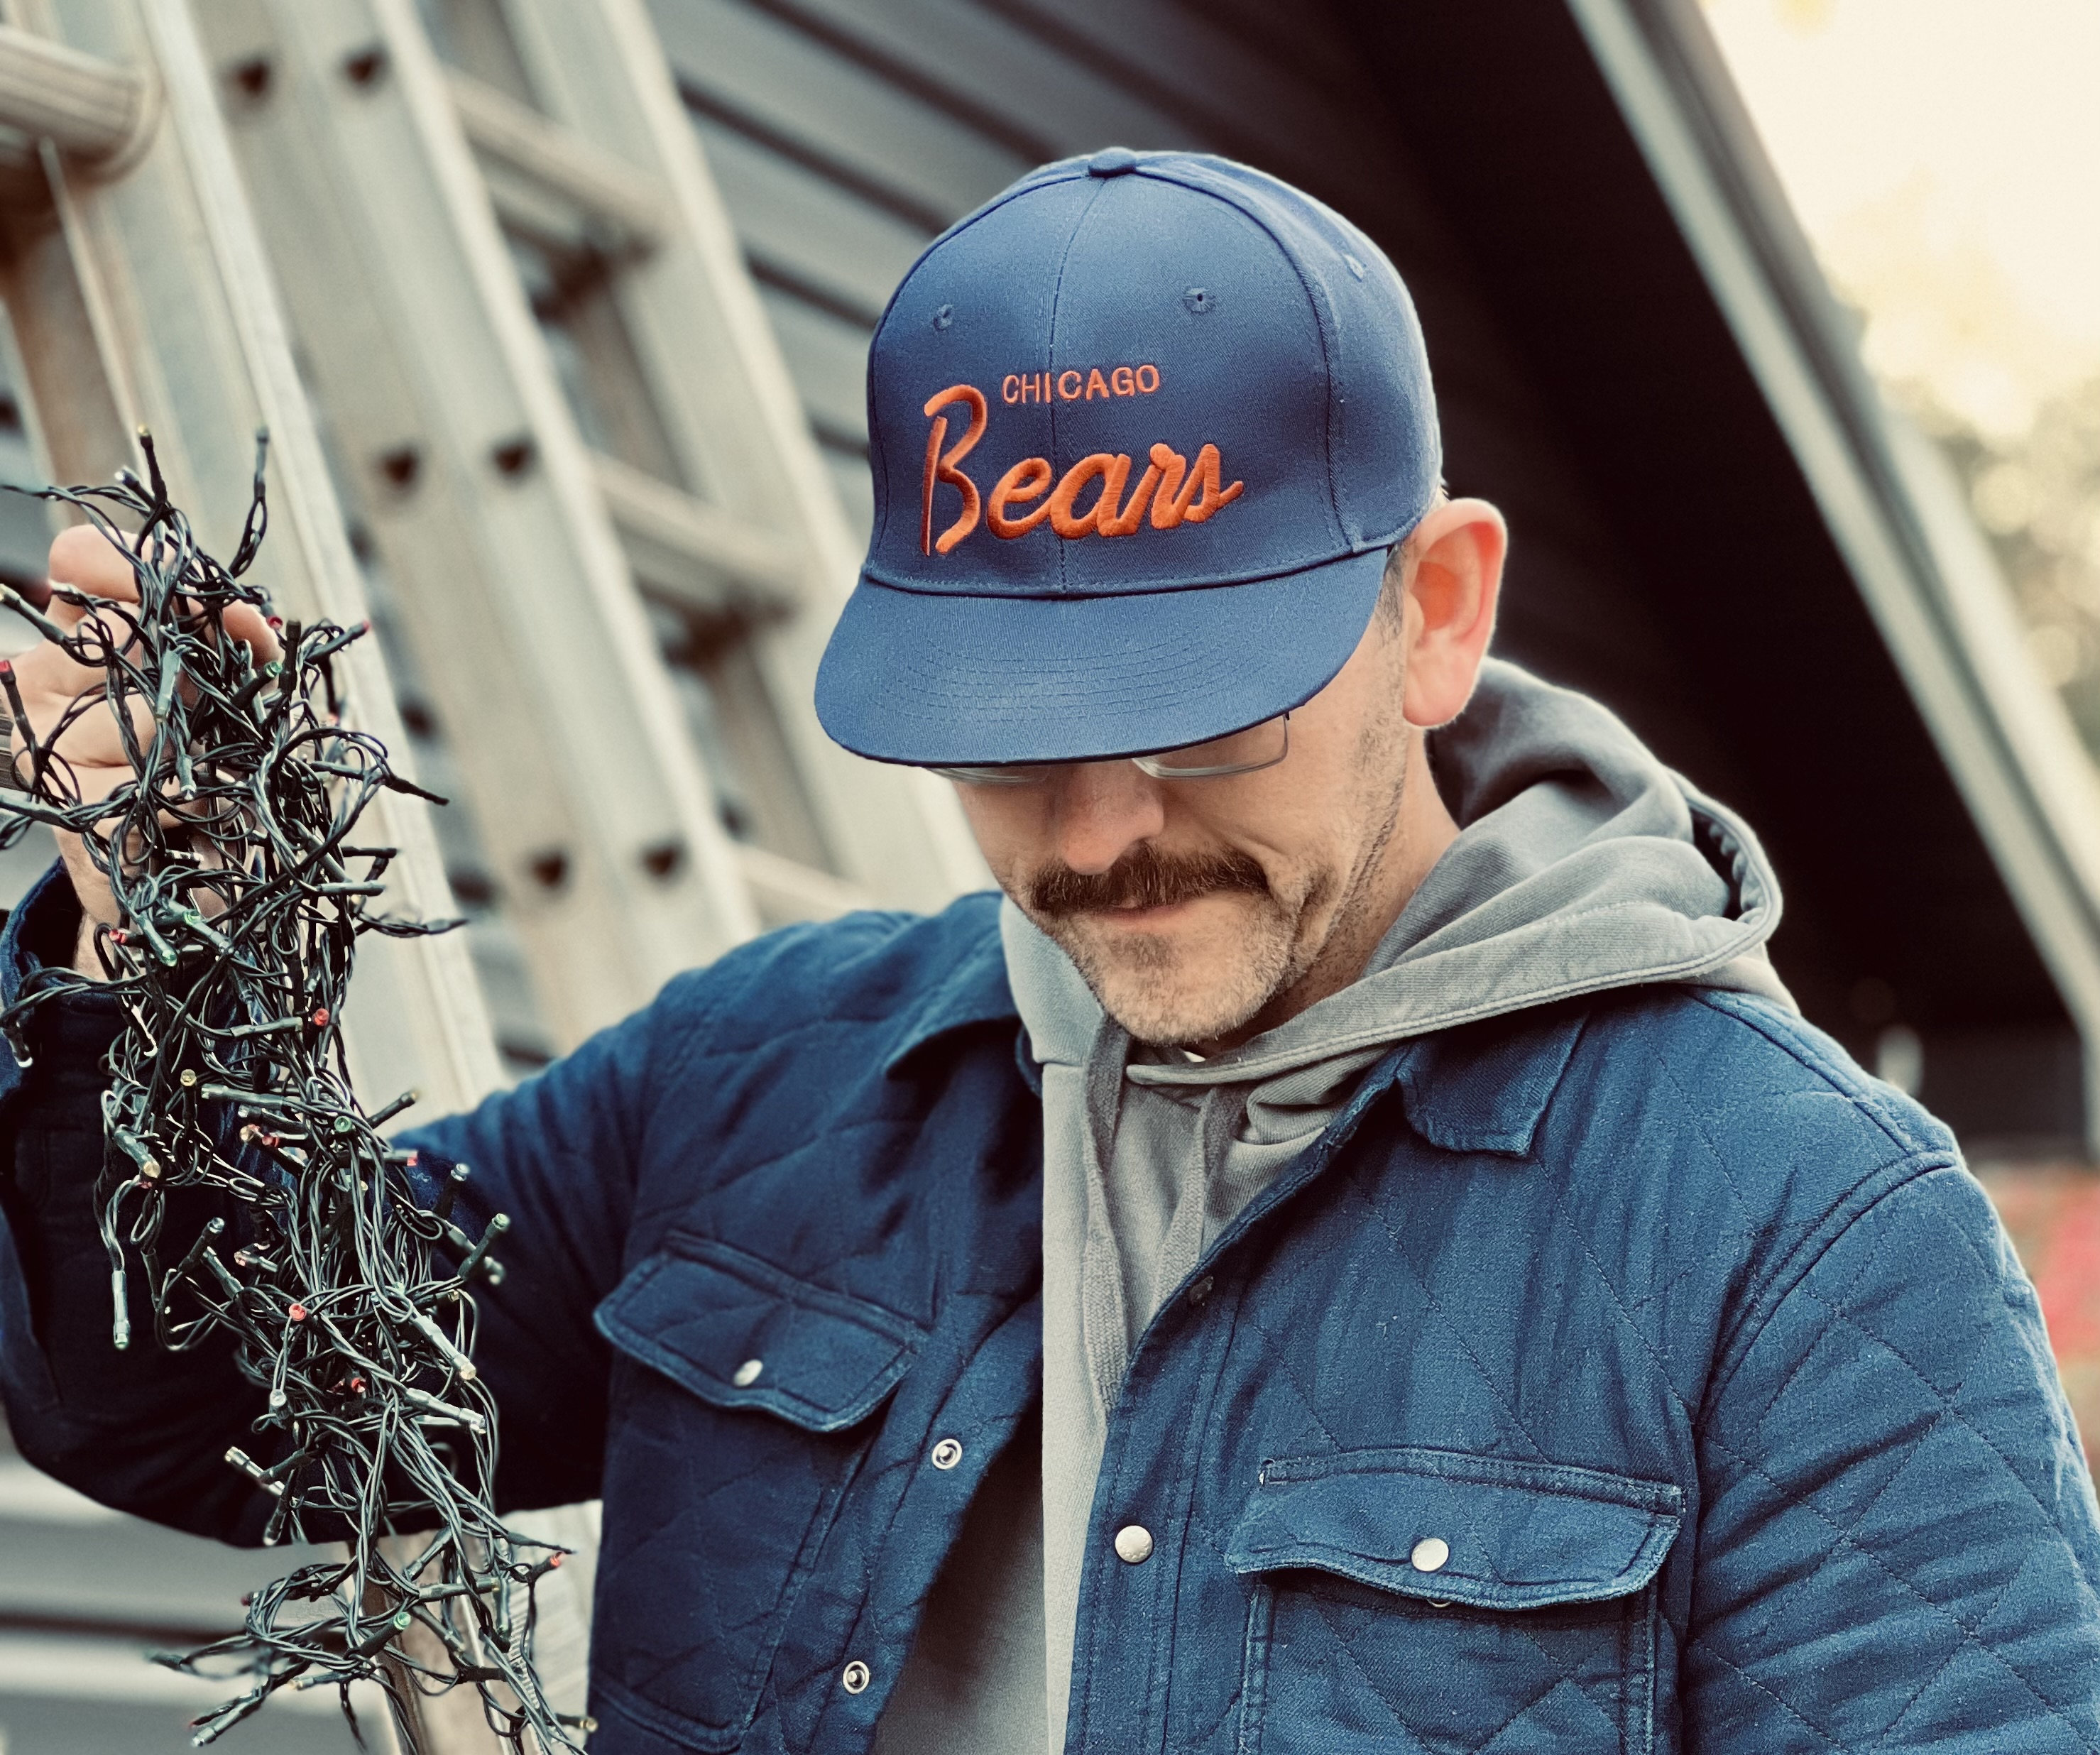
{"points": [[347, 1301]]}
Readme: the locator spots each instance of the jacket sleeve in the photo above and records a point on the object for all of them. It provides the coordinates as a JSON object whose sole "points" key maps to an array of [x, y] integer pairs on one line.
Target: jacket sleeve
{"points": [[146, 1430], [558, 1155], [141, 1429], [1898, 1548]]}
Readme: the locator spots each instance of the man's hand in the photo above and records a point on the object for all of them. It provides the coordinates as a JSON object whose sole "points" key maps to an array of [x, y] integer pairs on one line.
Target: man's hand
{"points": [[91, 747]]}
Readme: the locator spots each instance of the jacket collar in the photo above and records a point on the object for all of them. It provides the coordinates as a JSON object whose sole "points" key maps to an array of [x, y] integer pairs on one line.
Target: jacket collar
{"points": [[1483, 1086], [972, 990]]}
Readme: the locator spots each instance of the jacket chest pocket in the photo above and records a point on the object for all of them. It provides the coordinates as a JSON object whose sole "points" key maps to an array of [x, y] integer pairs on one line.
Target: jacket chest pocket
{"points": [[732, 1446], [1410, 1600]]}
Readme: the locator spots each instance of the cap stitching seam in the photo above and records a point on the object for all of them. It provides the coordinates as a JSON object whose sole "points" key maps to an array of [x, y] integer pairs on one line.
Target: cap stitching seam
{"points": [[1150, 587], [1319, 318], [1057, 296]]}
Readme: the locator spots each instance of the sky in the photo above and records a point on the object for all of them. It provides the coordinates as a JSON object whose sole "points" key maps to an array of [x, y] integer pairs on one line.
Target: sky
{"points": [[1944, 157]]}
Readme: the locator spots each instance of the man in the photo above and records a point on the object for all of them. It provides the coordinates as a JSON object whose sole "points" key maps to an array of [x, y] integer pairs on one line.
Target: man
{"points": [[1358, 1252]]}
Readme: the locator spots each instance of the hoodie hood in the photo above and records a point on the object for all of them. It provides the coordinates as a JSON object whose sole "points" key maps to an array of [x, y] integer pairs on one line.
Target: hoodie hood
{"points": [[1581, 864]]}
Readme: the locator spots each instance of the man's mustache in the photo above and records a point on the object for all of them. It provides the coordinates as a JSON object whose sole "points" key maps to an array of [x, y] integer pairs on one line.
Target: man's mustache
{"points": [[1142, 878]]}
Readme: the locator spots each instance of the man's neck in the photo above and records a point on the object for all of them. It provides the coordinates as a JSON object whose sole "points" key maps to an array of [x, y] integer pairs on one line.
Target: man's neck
{"points": [[1423, 829]]}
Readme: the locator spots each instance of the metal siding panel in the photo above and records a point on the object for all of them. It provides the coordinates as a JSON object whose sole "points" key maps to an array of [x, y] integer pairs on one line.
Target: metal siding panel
{"points": [[797, 224], [1246, 102], [739, 63], [993, 73], [828, 360]]}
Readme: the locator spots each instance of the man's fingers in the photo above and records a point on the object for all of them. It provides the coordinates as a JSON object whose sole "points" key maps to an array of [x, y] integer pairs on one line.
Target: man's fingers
{"points": [[248, 624], [47, 669], [85, 559]]}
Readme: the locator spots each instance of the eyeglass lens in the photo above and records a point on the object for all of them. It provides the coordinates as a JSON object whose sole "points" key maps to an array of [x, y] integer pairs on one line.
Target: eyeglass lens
{"points": [[1237, 752], [1261, 746]]}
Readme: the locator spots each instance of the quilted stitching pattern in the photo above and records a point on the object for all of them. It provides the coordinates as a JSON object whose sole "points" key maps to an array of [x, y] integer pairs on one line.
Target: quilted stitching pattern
{"points": [[1716, 1256], [1731, 1263], [1353, 1671], [1953, 1525], [685, 1480]]}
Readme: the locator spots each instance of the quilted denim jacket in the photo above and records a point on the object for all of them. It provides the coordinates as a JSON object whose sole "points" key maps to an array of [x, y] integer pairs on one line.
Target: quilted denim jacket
{"points": [[1631, 1375]]}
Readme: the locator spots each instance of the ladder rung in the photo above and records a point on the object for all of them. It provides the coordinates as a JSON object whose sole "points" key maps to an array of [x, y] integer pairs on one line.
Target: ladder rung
{"points": [[551, 158], [693, 553], [786, 890], [94, 110]]}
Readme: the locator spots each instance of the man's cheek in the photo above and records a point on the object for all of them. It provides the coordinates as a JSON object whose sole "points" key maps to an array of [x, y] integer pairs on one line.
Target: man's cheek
{"points": [[999, 826], [1009, 869]]}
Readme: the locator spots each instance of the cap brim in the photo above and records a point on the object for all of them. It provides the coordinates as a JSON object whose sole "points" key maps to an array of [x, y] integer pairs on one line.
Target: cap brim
{"points": [[940, 679]]}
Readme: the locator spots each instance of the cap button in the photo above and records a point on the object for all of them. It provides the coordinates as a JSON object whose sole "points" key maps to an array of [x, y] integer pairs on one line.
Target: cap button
{"points": [[1112, 161]]}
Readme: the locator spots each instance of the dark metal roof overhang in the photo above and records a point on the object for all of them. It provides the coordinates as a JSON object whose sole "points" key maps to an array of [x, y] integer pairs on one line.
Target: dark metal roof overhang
{"points": [[1825, 640]]}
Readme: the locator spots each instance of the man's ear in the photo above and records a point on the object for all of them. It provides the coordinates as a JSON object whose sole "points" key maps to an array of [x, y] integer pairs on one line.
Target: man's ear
{"points": [[1453, 585]]}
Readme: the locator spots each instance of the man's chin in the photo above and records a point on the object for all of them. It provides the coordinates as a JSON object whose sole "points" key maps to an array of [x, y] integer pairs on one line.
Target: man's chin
{"points": [[1176, 976]]}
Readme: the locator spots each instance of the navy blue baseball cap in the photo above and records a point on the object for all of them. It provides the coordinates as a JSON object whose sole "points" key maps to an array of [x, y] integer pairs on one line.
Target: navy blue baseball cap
{"points": [[1143, 429]]}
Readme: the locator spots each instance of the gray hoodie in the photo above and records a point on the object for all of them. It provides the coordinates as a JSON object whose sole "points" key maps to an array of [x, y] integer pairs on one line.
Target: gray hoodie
{"points": [[1582, 864]]}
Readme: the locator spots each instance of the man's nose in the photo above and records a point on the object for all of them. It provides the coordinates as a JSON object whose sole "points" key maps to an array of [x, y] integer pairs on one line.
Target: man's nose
{"points": [[1104, 810]]}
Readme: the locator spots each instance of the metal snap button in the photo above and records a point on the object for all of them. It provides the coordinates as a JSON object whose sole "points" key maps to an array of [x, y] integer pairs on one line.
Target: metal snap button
{"points": [[746, 1373], [855, 1677], [1133, 1544], [947, 1453], [1430, 1553]]}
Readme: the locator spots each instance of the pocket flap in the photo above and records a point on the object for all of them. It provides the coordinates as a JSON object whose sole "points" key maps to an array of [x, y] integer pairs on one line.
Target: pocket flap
{"points": [[1494, 1534], [739, 1333]]}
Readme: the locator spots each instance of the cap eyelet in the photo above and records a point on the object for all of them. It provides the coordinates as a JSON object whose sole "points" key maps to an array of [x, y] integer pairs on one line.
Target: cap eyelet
{"points": [[944, 316], [1200, 300]]}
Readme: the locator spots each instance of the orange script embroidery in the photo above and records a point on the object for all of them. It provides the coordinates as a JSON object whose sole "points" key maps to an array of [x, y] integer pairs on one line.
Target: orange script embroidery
{"points": [[941, 466], [1170, 490]]}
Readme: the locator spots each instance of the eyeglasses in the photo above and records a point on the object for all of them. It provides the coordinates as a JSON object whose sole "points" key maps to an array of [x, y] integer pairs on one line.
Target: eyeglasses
{"points": [[1247, 752]]}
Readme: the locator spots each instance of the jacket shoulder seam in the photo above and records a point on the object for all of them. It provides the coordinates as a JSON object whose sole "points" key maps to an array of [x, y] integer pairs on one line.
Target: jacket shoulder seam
{"points": [[1861, 1194], [1753, 1014], [1865, 1196]]}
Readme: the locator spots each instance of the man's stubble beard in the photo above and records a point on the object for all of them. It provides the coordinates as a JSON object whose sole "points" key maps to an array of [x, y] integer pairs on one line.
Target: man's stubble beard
{"points": [[1280, 951], [1143, 983]]}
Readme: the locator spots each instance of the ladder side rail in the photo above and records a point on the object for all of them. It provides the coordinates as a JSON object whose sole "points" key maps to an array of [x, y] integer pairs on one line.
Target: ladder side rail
{"points": [[429, 984], [647, 718], [646, 721], [511, 585], [162, 266], [725, 394], [397, 430]]}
